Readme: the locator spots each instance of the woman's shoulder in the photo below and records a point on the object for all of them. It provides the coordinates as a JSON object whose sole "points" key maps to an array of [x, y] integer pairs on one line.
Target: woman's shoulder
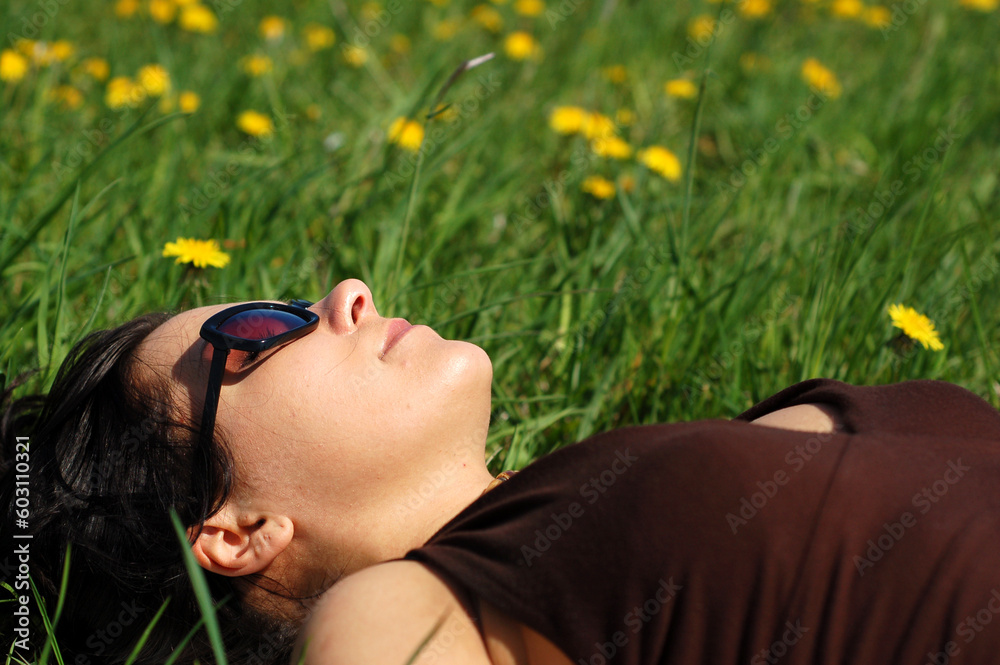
{"points": [[387, 613]]}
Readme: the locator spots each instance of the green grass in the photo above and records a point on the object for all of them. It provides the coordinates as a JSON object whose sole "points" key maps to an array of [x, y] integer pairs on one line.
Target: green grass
{"points": [[670, 302]]}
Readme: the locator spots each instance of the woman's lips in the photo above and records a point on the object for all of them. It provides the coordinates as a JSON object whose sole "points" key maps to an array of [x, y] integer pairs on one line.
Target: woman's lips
{"points": [[397, 328]]}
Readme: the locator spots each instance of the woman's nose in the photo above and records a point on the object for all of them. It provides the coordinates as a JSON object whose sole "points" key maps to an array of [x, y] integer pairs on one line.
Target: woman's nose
{"points": [[347, 306]]}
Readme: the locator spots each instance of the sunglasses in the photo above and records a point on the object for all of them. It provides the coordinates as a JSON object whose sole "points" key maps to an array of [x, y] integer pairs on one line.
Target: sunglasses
{"points": [[251, 328]]}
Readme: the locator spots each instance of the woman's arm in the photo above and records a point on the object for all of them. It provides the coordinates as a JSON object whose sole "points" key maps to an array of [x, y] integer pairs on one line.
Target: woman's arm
{"points": [[804, 418], [383, 614]]}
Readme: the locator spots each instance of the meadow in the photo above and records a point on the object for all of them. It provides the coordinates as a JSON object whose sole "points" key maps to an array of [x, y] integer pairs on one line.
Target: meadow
{"points": [[644, 212]]}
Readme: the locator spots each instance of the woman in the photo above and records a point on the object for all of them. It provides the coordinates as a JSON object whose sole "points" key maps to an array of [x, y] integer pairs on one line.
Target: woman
{"points": [[842, 523]]}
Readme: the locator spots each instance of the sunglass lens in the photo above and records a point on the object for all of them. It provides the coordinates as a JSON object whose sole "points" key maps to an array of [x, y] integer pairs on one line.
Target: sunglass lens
{"points": [[260, 323]]}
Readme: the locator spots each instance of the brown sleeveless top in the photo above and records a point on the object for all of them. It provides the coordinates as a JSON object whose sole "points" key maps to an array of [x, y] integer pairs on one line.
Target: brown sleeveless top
{"points": [[724, 542]]}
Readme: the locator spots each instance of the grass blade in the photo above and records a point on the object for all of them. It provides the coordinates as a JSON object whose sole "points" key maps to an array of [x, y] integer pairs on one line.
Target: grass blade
{"points": [[201, 593]]}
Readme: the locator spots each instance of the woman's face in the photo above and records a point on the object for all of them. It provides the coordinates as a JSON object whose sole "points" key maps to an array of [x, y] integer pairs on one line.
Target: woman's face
{"points": [[342, 426]]}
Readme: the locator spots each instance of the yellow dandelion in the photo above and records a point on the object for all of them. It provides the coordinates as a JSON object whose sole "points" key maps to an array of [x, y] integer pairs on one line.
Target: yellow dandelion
{"points": [[318, 37], [568, 119], [598, 187], [256, 65], [624, 117], [820, 79], [67, 96], [188, 101], [701, 28], [61, 50], [598, 126], [611, 147], [162, 11], [123, 91], [521, 45], [29, 48], [154, 79], [445, 112], [198, 18], [405, 133], [980, 5], [877, 17], [615, 73], [355, 56], [916, 326], [847, 8], [13, 66], [487, 17], [126, 8], [529, 7], [272, 28], [682, 88], [754, 9], [96, 68], [627, 182], [255, 123], [400, 44], [445, 30], [199, 253], [370, 11], [663, 161], [313, 112]]}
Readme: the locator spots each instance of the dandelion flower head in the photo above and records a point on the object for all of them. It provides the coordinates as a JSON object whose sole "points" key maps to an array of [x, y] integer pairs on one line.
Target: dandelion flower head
{"points": [[255, 123], [199, 253], [754, 8], [615, 73], [154, 79], [681, 88], [612, 147], [405, 133], [272, 28], [598, 187], [820, 79], [256, 64], [123, 91], [188, 101], [981, 5], [355, 56], [701, 28], [663, 161], [568, 119], [318, 37], [598, 126], [529, 7], [847, 8], [13, 66], [162, 11], [198, 18], [521, 45], [487, 17], [916, 326], [96, 68]]}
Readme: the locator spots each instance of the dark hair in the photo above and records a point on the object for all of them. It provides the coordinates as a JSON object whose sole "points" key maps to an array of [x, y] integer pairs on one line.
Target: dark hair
{"points": [[108, 461]]}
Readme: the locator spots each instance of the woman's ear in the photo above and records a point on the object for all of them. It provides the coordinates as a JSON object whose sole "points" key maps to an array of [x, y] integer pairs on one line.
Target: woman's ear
{"points": [[236, 544]]}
